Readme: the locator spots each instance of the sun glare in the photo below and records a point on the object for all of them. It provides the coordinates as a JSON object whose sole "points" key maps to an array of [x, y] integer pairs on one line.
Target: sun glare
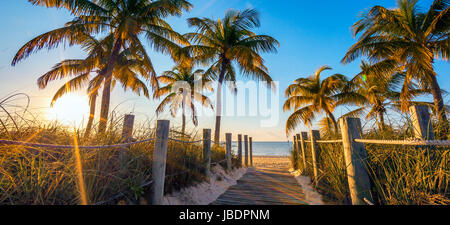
{"points": [[70, 109]]}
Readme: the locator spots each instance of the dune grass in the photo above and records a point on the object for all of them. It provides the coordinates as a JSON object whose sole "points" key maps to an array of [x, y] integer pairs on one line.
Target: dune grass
{"points": [[400, 175], [44, 176]]}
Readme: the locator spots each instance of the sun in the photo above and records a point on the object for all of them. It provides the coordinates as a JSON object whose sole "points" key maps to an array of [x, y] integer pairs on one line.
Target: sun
{"points": [[70, 109]]}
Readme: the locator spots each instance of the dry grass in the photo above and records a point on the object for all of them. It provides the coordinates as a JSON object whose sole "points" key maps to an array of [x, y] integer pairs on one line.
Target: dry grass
{"points": [[44, 176], [399, 175]]}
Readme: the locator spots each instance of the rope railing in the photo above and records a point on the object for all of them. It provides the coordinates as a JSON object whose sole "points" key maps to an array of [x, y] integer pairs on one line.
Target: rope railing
{"points": [[218, 143], [122, 194], [41, 145], [405, 142], [328, 141], [217, 163], [185, 142]]}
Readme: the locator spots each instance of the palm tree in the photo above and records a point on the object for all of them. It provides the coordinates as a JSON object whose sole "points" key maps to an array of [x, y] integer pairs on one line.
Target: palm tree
{"points": [[311, 96], [126, 71], [376, 92], [229, 41], [126, 21], [406, 39], [181, 92]]}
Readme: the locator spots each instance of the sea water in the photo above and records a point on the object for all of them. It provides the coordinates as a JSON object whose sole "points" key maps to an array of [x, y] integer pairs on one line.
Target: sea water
{"points": [[268, 148]]}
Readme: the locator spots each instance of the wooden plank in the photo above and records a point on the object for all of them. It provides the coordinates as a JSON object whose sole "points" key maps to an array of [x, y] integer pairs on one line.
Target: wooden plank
{"points": [[420, 118], [159, 161], [228, 145], [355, 158], [207, 151], [264, 187]]}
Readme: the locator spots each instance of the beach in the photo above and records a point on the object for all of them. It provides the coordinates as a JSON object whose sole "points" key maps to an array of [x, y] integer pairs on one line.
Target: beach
{"points": [[280, 162]]}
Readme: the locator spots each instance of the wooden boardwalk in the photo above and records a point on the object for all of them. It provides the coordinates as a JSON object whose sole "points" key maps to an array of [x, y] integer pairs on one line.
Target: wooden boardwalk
{"points": [[264, 186]]}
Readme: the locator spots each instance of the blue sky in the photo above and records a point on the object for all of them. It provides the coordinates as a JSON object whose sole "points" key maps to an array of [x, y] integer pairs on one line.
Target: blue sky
{"points": [[311, 33]]}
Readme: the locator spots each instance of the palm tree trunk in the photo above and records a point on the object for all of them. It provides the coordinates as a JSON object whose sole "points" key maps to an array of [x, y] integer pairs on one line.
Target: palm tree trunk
{"points": [[106, 95], [381, 123], [91, 115], [438, 100], [335, 125], [183, 125], [219, 102]]}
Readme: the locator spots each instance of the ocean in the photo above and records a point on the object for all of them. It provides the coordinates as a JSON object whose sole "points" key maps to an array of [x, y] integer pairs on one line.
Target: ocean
{"points": [[268, 148]]}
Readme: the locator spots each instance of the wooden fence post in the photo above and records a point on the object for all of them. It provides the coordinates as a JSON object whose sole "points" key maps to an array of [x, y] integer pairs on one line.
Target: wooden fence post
{"points": [[246, 149], [303, 138], [127, 130], [228, 145], [251, 151], [420, 118], [295, 150], [240, 148], [207, 151], [315, 135], [355, 156], [127, 134], [159, 161]]}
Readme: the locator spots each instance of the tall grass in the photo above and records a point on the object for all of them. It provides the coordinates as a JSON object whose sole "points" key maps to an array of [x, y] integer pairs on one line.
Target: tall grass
{"points": [[30, 176], [400, 175]]}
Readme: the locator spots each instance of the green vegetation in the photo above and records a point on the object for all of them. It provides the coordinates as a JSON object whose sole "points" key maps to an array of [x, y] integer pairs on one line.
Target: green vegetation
{"points": [[401, 45], [399, 175], [36, 176]]}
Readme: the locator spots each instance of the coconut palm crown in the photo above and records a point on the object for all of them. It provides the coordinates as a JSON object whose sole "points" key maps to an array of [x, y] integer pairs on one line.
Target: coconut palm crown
{"points": [[405, 39], [311, 96], [127, 20], [228, 43], [128, 70], [181, 92]]}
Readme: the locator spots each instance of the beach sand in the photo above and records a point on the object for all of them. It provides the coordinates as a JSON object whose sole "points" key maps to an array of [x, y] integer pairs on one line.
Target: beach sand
{"points": [[280, 162]]}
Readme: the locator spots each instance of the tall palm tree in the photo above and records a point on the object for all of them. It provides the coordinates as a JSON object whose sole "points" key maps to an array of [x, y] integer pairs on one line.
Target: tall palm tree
{"points": [[376, 92], [126, 71], [311, 96], [126, 20], [229, 41], [180, 91], [406, 39]]}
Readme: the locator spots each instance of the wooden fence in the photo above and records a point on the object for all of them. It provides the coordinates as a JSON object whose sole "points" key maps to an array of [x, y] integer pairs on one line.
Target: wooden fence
{"points": [[160, 153], [161, 140], [355, 155]]}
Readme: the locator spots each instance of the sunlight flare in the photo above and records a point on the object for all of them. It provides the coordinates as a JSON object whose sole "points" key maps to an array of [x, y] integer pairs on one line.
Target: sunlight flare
{"points": [[70, 109]]}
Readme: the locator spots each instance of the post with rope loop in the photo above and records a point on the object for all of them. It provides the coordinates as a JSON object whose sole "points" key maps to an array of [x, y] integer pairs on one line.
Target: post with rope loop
{"points": [[420, 118], [228, 146], [207, 151], [302, 143], [159, 161], [240, 148], [246, 150], [251, 151], [295, 150], [355, 156], [127, 133], [315, 136]]}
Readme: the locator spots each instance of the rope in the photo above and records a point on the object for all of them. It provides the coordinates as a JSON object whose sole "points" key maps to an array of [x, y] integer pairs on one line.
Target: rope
{"points": [[404, 142], [39, 145], [186, 142], [219, 143], [217, 163], [329, 141]]}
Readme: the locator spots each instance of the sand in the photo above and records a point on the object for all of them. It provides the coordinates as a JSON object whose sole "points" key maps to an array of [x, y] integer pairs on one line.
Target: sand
{"points": [[281, 162], [207, 192]]}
